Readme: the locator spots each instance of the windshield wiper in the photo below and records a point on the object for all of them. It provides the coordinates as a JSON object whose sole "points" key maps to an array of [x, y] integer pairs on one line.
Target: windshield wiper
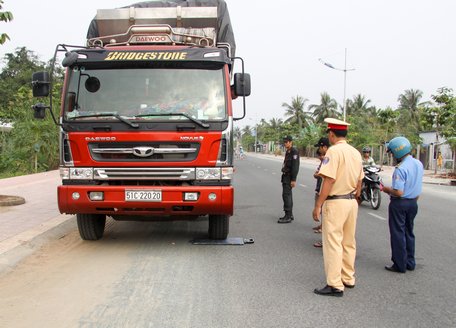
{"points": [[202, 124], [120, 118]]}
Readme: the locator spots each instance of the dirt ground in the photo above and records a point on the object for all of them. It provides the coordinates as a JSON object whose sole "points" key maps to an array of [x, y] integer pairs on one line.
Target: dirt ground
{"points": [[47, 289]]}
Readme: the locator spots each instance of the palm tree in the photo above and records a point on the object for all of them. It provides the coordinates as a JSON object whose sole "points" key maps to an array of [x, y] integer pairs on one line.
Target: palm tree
{"points": [[247, 130], [296, 113], [358, 106], [275, 123], [409, 101], [326, 108], [237, 134]]}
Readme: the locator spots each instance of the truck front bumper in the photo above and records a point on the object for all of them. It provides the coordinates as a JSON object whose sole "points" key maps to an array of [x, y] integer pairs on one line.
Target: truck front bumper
{"points": [[73, 199]]}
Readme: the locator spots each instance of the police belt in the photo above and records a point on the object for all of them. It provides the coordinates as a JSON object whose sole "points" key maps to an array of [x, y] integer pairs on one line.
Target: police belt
{"points": [[347, 196]]}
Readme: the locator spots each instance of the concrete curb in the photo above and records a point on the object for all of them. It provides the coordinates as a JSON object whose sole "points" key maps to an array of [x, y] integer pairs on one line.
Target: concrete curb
{"points": [[20, 246]]}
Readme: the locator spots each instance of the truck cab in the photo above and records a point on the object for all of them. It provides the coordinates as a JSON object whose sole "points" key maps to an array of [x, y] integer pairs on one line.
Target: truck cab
{"points": [[147, 120]]}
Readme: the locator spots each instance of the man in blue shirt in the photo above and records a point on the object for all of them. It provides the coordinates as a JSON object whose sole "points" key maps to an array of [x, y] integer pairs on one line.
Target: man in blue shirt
{"points": [[403, 207]]}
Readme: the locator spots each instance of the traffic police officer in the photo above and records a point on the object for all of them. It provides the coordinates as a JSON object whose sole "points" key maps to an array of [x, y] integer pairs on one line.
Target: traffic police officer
{"points": [[403, 207], [342, 174], [290, 169]]}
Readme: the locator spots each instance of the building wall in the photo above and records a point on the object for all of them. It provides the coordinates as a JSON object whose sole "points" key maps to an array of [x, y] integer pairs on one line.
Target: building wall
{"points": [[431, 145]]}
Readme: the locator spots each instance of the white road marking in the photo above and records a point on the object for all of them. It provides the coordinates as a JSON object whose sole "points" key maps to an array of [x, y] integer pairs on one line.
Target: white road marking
{"points": [[303, 185], [377, 216]]}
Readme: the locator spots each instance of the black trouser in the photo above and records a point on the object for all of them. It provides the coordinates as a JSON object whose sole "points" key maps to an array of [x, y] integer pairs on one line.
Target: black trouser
{"points": [[287, 194], [401, 216]]}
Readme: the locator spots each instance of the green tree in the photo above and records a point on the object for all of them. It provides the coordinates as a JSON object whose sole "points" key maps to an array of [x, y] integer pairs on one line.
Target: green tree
{"points": [[237, 133], [272, 130], [16, 74], [442, 117], [359, 105], [409, 106], [445, 112], [5, 16], [388, 119], [296, 112], [31, 145], [247, 137], [326, 108]]}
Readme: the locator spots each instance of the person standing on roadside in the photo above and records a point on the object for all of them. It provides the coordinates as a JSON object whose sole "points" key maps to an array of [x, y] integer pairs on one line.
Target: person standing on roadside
{"points": [[405, 190], [342, 173], [322, 145], [439, 161], [290, 169]]}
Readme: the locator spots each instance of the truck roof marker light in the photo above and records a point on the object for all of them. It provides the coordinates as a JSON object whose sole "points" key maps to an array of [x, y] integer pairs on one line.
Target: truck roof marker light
{"points": [[212, 54]]}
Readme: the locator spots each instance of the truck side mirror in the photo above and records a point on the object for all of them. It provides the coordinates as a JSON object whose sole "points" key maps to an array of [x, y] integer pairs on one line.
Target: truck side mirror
{"points": [[39, 111], [41, 84], [242, 84]]}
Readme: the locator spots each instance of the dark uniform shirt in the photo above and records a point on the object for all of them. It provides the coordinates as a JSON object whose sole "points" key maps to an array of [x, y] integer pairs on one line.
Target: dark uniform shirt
{"points": [[290, 167]]}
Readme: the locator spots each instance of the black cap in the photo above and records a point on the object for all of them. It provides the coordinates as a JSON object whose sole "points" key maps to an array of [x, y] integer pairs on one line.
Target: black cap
{"points": [[322, 142], [287, 138]]}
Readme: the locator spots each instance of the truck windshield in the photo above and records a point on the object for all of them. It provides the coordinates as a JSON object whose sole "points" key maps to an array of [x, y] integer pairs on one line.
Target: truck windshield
{"points": [[146, 94]]}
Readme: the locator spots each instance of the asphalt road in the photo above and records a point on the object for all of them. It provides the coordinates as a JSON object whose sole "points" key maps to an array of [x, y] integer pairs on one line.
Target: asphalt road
{"points": [[149, 275]]}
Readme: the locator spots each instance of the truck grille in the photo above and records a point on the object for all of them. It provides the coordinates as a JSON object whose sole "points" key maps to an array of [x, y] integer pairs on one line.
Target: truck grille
{"points": [[144, 152], [115, 173]]}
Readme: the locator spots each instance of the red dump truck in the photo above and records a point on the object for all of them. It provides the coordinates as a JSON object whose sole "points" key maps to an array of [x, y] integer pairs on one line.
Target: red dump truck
{"points": [[146, 121]]}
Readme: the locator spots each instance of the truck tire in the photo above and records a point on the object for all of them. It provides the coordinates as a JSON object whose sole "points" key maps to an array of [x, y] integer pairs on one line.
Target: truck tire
{"points": [[91, 226], [218, 226]]}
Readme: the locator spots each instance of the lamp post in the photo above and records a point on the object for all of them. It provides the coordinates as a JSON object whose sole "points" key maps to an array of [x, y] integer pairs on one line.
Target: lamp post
{"points": [[345, 70]]}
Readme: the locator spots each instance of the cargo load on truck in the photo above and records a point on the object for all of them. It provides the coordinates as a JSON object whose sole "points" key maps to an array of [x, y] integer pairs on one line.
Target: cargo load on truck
{"points": [[199, 22]]}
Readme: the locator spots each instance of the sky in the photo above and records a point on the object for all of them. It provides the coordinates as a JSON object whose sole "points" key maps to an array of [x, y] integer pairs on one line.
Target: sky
{"points": [[392, 45]]}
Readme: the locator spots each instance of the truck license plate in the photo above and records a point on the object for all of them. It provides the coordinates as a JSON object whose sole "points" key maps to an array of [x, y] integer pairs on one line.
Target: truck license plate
{"points": [[143, 195]]}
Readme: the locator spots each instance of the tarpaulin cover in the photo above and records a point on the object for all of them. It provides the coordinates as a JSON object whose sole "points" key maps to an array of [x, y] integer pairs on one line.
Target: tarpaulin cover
{"points": [[224, 28]]}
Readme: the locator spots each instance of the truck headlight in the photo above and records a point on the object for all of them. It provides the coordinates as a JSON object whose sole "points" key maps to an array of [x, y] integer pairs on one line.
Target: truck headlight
{"points": [[64, 173], [208, 173], [227, 173], [81, 173]]}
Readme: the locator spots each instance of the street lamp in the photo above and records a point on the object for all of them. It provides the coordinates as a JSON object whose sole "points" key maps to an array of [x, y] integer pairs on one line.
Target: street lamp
{"points": [[345, 70]]}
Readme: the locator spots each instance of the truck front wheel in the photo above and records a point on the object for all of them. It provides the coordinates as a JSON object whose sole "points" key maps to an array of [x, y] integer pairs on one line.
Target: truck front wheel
{"points": [[218, 226], [91, 226]]}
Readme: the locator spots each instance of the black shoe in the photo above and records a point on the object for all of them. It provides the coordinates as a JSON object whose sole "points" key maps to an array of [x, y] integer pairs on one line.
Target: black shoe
{"points": [[285, 219], [410, 268], [329, 291], [349, 286], [392, 268]]}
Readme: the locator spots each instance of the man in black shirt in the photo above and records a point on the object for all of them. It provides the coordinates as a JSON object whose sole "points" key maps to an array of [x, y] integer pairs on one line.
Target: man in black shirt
{"points": [[290, 169]]}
